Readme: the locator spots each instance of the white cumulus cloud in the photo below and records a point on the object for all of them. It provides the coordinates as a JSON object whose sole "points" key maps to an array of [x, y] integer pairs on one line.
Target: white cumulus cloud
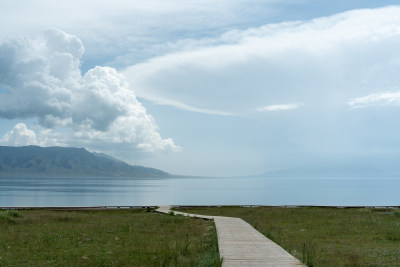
{"points": [[41, 79], [20, 135]]}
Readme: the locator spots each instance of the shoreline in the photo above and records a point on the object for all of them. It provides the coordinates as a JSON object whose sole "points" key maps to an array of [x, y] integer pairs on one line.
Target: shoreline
{"points": [[190, 206]]}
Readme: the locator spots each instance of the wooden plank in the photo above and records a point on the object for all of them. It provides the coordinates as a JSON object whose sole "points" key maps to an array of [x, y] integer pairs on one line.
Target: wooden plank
{"points": [[241, 245]]}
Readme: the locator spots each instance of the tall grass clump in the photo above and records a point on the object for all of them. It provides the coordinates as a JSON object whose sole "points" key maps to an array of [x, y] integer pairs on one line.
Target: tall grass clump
{"points": [[396, 213], [309, 253], [4, 218], [13, 213], [393, 234], [9, 216], [185, 248], [211, 255]]}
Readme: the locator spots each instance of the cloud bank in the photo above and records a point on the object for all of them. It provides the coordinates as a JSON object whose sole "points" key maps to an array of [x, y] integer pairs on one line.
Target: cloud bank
{"points": [[41, 79], [322, 62]]}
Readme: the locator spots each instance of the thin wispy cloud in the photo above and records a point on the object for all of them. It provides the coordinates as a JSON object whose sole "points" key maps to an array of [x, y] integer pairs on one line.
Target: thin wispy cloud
{"points": [[376, 99], [185, 107], [280, 107], [307, 60]]}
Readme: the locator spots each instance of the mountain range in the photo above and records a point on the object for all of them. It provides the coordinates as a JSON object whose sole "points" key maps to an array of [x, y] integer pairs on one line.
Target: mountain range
{"points": [[35, 161]]}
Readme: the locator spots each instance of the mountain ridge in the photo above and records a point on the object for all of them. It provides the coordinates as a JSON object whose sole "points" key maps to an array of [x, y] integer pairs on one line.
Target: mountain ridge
{"points": [[36, 161]]}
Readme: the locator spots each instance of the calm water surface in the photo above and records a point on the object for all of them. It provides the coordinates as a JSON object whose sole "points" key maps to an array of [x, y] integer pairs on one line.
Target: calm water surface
{"points": [[197, 191]]}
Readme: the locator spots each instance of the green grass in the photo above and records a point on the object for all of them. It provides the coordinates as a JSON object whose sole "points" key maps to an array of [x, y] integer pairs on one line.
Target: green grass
{"points": [[105, 238], [8, 216], [326, 236]]}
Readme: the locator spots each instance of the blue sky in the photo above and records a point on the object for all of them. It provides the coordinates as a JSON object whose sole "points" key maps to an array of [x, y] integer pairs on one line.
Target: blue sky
{"points": [[204, 87]]}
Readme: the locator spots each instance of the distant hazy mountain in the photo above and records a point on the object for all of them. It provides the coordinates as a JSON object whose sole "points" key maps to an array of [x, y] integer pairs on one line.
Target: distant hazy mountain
{"points": [[35, 161], [339, 171]]}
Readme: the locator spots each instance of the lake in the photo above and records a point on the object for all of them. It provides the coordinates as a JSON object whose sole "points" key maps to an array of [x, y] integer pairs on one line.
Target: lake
{"points": [[30, 192]]}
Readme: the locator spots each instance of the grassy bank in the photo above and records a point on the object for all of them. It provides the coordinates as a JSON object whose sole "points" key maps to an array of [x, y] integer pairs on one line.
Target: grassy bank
{"points": [[105, 238], [326, 236]]}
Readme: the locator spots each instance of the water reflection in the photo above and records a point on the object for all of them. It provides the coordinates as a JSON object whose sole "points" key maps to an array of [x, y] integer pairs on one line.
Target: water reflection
{"points": [[197, 191]]}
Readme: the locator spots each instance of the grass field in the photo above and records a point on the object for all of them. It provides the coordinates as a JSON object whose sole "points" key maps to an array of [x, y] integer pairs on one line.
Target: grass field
{"points": [[105, 238], [325, 236]]}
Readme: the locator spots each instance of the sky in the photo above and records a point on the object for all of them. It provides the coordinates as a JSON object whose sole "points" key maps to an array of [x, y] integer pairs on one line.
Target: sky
{"points": [[216, 88]]}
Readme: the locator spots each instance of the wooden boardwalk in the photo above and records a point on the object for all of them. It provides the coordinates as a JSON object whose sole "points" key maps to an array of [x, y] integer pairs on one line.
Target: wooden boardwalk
{"points": [[241, 245]]}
